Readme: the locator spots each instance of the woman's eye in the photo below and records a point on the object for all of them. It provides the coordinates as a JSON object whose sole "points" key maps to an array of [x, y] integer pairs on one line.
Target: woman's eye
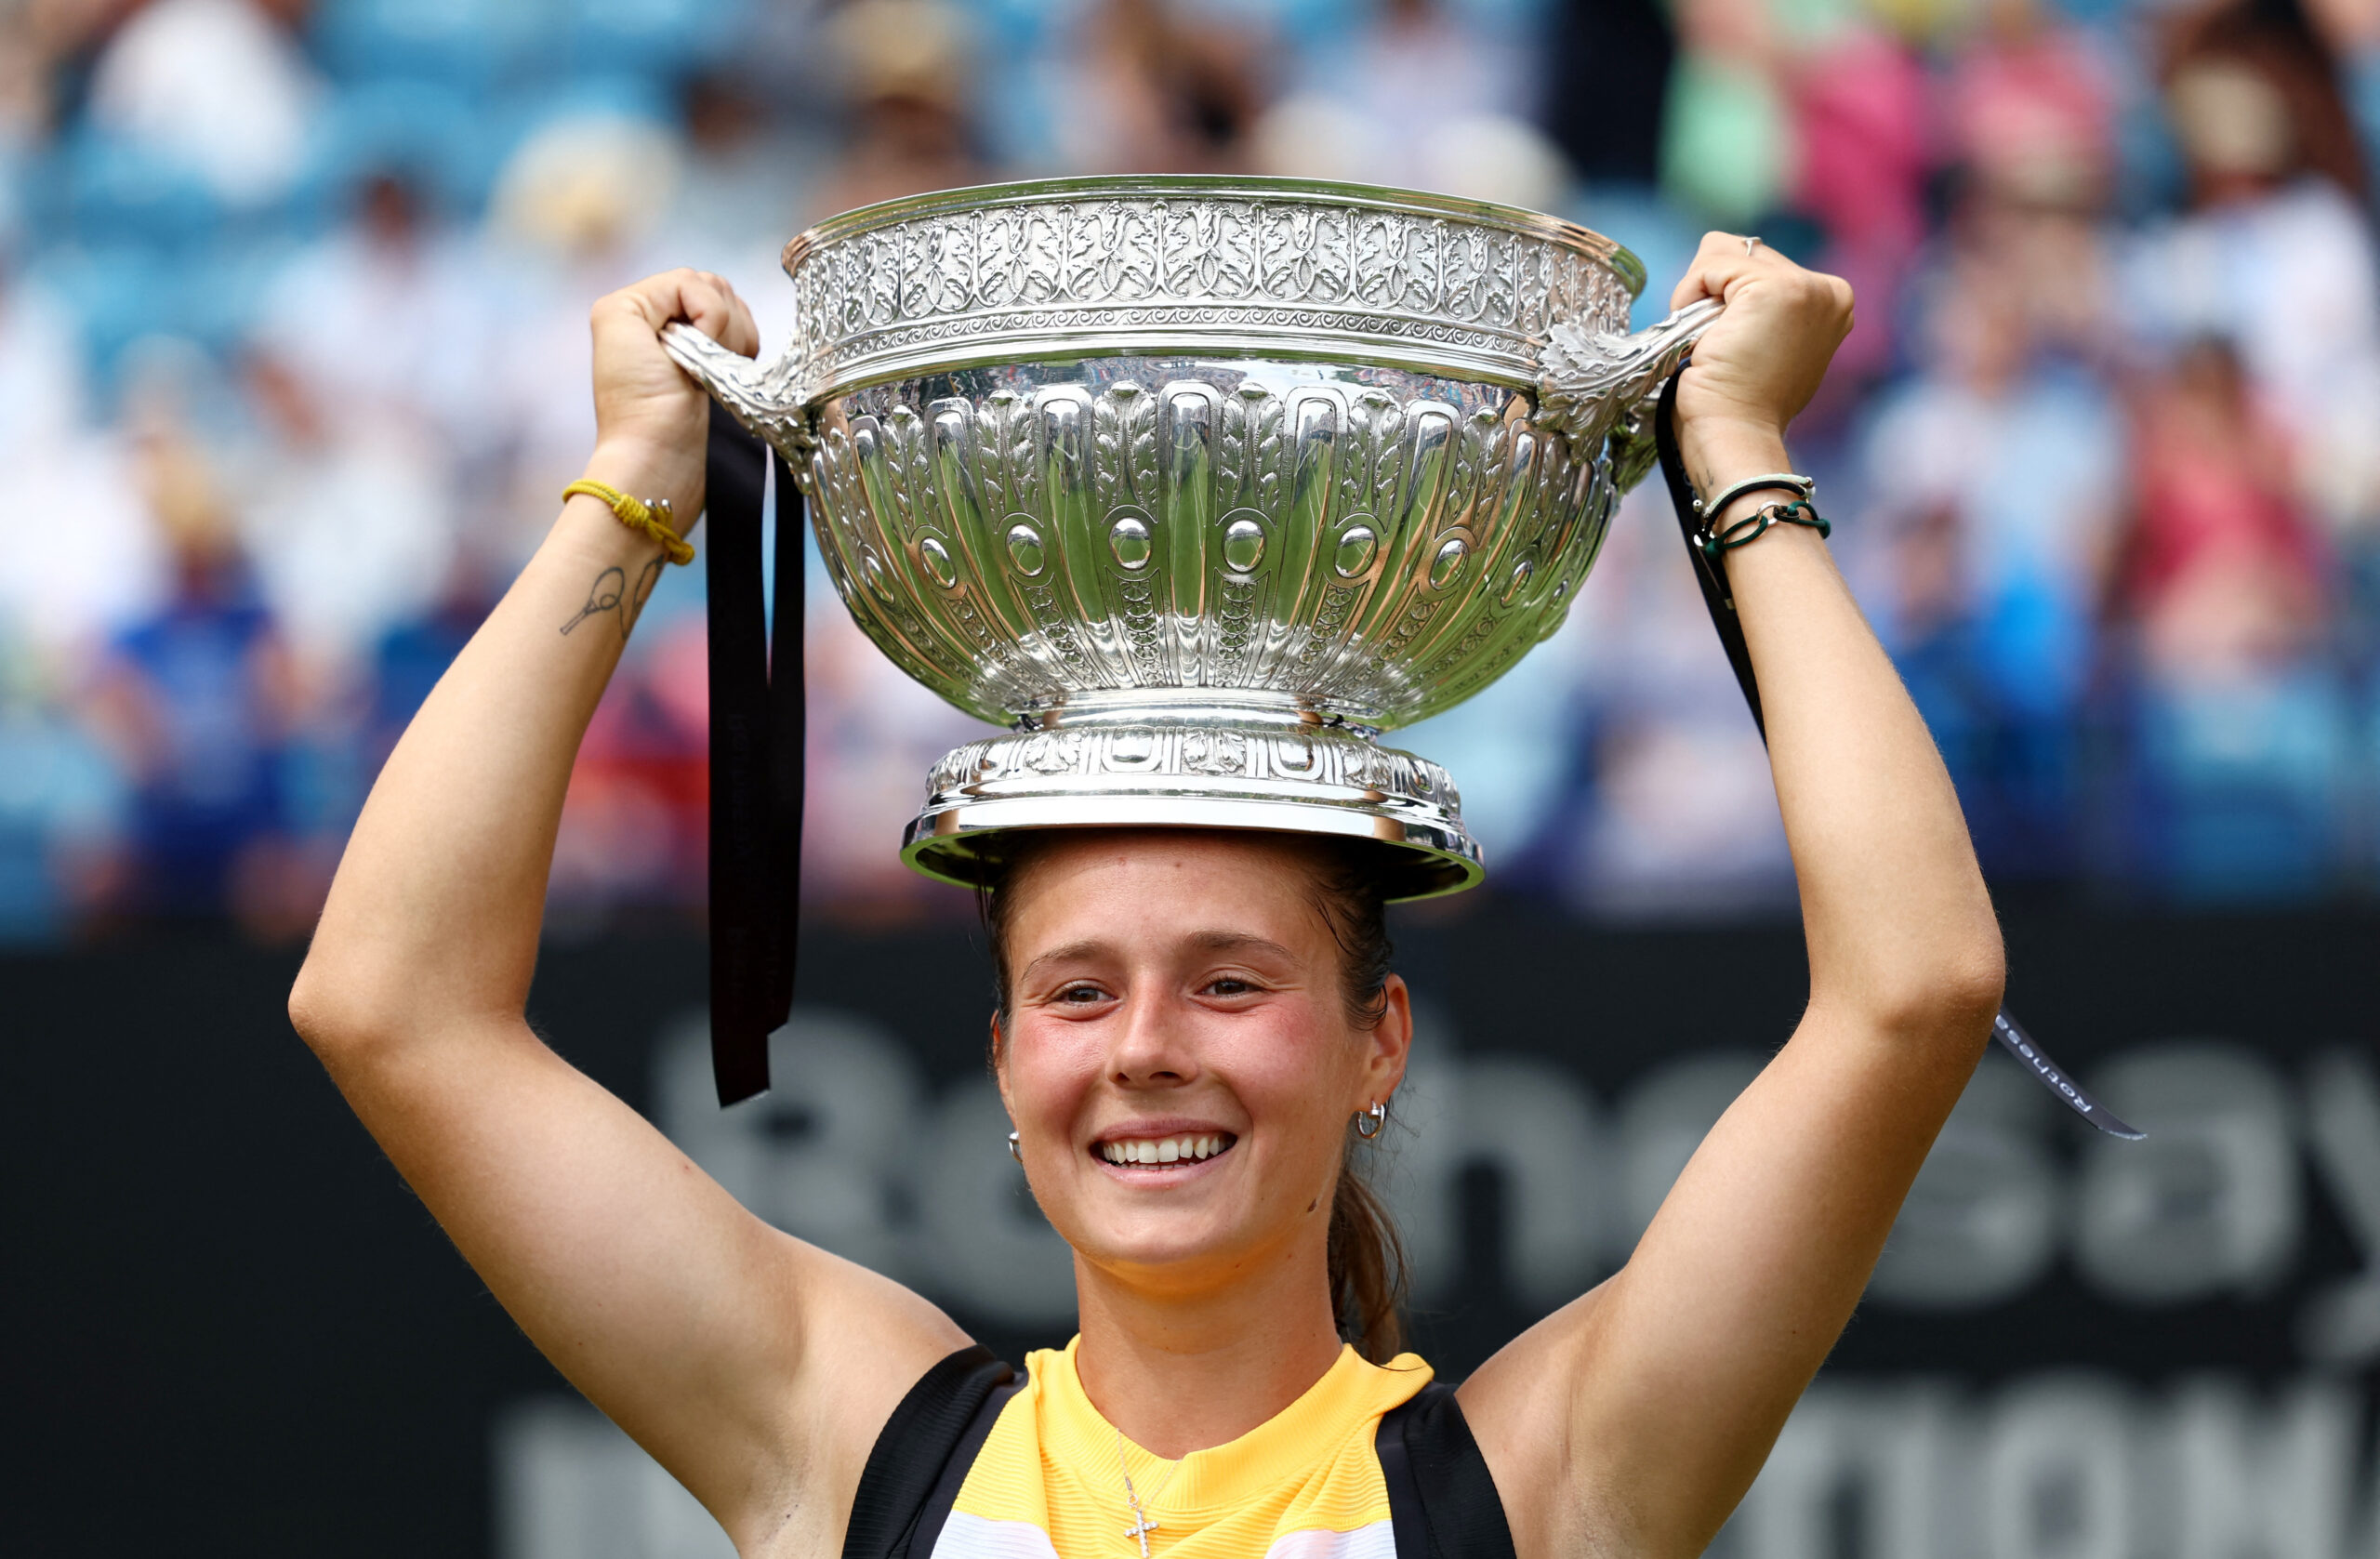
{"points": [[1229, 984], [1079, 994]]}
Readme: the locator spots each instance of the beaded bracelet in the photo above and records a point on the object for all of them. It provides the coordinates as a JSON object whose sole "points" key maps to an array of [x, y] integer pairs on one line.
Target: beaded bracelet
{"points": [[1753, 526]]}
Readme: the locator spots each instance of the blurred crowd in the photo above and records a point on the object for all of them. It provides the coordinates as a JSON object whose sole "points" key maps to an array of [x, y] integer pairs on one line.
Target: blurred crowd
{"points": [[293, 366]]}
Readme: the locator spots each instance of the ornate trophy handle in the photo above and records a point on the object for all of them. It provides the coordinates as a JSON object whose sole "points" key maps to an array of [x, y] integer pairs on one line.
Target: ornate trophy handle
{"points": [[1595, 384], [759, 394]]}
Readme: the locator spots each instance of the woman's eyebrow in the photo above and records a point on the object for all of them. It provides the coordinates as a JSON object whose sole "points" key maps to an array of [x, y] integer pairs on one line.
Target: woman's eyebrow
{"points": [[1239, 942], [1088, 947], [1204, 942]]}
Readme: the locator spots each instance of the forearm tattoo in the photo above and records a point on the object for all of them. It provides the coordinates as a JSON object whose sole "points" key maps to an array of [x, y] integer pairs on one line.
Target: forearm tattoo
{"points": [[610, 593]]}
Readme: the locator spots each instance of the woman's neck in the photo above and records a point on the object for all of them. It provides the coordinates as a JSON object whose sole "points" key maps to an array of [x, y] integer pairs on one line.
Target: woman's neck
{"points": [[1177, 1372]]}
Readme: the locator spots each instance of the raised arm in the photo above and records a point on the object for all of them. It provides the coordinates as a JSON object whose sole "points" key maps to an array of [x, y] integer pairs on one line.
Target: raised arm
{"points": [[682, 1316], [1652, 1403]]}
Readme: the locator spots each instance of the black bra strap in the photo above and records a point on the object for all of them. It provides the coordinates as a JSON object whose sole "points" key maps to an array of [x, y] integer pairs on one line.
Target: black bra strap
{"points": [[915, 1470], [1441, 1502]]}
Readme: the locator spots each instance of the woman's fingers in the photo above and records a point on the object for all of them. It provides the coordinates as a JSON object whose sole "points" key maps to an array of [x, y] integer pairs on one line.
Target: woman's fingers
{"points": [[706, 302], [699, 297], [1760, 363], [1705, 274], [1722, 260], [743, 335]]}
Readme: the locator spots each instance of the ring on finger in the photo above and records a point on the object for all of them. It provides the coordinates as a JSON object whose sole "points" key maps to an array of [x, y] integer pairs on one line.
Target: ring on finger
{"points": [[1750, 244]]}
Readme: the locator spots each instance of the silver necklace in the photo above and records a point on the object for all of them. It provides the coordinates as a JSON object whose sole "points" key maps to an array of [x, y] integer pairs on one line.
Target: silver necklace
{"points": [[1141, 1526]]}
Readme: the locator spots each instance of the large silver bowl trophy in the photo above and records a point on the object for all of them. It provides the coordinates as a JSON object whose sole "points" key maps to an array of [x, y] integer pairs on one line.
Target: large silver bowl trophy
{"points": [[1198, 486]]}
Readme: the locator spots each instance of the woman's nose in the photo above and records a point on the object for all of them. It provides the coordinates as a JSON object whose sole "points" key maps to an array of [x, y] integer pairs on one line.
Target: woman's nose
{"points": [[1151, 1045]]}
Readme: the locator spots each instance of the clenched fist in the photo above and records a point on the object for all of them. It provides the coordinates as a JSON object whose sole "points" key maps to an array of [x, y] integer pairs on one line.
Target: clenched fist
{"points": [[651, 420], [1757, 366]]}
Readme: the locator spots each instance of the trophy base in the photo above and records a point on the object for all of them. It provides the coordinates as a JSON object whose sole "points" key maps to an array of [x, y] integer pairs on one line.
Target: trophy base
{"points": [[1195, 757]]}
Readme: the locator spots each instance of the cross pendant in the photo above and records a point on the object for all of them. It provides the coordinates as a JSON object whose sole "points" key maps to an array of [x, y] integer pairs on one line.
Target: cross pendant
{"points": [[1139, 1531]]}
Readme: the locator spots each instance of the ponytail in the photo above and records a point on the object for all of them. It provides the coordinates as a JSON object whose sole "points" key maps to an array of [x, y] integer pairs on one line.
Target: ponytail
{"points": [[1367, 1266], [1367, 1273]]}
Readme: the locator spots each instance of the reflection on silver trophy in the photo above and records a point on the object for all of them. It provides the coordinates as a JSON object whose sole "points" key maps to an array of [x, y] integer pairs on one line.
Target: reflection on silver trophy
{"points": [[1198, 485]]}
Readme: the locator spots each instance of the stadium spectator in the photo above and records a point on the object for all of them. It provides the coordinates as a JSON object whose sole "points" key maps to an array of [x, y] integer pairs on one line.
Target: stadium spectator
{"points": [[2222, 570], [195, 701], [1995, 480], [218, 88], [2274, 254], [1146, 93], [390, 316], [905, 64], [2242, 725], [1427, 96], [61, 805], [1863, 129], [345, 510], [1670, 815]]}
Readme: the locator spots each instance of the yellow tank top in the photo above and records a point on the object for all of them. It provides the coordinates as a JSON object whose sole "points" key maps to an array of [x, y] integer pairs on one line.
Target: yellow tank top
{"points": [[1306, 1484]]}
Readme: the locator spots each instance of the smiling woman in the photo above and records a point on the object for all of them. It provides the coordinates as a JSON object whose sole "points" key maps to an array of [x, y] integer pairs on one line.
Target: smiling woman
{"points": [[1332, 888], [1197, 1030]]}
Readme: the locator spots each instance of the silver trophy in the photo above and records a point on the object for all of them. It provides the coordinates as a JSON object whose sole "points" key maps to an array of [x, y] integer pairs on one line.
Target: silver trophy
{"points": [[1198, 486]]}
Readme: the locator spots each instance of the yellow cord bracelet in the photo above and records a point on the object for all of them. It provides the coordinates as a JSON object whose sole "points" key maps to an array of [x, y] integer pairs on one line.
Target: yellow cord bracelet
{"points": [[652, 516]]}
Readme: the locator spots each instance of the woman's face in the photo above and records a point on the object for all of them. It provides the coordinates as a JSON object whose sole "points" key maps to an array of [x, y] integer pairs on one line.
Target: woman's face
{"points": [[1179, 1058]]}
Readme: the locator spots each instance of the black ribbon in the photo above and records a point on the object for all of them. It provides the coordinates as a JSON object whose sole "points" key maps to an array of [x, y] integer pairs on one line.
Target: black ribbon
{"points": [[1712, 574], [756, 724]]}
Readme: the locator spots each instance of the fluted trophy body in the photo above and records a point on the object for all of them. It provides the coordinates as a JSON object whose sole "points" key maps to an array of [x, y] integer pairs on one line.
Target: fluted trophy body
{"points": [[1196, 485]]}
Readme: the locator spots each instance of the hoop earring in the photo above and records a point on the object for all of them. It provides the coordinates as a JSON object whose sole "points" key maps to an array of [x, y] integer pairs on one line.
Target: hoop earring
{"points": [[1015, 1148], [1370, 1122]]}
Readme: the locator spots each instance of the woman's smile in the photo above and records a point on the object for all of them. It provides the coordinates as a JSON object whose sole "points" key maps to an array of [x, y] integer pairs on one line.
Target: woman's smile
{"points": [[1163, 1151]]}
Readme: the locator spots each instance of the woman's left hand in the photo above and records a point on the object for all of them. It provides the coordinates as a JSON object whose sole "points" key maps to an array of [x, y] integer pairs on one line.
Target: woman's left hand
{"points": [[1758, 366]]}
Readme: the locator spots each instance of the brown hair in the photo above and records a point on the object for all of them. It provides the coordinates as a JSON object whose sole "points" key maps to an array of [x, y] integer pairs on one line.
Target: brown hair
{"points": [[1367, 1274]]}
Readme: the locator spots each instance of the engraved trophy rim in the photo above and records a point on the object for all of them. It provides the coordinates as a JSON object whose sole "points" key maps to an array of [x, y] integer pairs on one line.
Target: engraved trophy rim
{"points": [[1383, 197], [854, 334]]}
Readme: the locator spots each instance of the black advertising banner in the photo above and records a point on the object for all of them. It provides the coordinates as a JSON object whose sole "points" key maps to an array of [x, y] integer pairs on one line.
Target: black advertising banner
{"points": [[233, 1324]]}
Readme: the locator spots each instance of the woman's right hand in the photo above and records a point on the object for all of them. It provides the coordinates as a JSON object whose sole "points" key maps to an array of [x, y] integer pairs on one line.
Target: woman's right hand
{"points": [[652, 422], [1761, 361]]}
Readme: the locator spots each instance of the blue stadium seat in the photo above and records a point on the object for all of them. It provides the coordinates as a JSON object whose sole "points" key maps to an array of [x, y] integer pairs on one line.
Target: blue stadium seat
{"points": [[472, 44], [445, 141], [656, 37], [114, 192], [119, 292], [220, 291]]}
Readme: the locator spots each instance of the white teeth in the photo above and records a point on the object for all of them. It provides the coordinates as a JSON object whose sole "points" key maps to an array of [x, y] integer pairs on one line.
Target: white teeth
{"points": [[1169, 1150]]}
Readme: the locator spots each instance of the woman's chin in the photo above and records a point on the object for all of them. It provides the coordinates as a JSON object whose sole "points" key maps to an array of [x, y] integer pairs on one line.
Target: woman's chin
{"points": [[1177, 1240]]}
